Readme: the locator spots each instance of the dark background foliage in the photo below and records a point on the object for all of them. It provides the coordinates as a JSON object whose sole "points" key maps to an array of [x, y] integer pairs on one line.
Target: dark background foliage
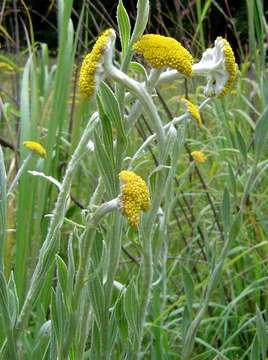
{"points": [[177, 18]]}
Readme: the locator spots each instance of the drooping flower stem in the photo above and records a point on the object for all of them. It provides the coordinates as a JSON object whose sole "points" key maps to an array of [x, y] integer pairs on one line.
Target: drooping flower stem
{"points": [[143, 96], [136, 108], [47, 253]]}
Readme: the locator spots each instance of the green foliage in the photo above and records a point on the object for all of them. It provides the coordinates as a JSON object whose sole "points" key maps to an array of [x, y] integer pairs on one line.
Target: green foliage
{"points": [[189, 281]]}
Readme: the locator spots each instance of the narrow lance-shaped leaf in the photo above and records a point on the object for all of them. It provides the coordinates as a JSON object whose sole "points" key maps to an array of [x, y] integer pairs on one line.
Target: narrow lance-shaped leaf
{"points": [[123, 25], [188, 285], [261, 333], [232, 181], [112, 109], [143, 7], [241, 144], [261, 133], [106, 132], [226, 209]]}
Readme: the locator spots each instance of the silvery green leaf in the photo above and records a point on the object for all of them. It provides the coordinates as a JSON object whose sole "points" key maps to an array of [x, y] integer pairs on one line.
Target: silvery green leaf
{"points": [[123, 25]]}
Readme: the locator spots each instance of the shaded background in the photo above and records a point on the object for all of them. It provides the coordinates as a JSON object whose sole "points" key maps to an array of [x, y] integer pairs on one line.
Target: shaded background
{"points": [[177, 18]]}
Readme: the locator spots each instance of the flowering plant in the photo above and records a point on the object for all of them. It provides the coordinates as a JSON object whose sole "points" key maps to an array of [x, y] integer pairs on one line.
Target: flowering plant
{"points": [[131, 203]]}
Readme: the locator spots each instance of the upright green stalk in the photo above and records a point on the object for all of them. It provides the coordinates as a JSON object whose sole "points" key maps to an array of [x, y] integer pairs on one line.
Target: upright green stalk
{"points": [[9, 347], [50, 245], [3, 209], [114, 256], [147, 232], [86, 242]]}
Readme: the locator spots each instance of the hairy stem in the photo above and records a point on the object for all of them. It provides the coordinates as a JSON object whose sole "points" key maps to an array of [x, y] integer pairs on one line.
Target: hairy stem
{"points": [[50, 246], [143, 97]]}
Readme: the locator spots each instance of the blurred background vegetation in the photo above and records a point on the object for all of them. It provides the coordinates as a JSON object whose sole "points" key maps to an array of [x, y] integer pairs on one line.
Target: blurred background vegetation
{"points": [[38, 101], [177, 18]]}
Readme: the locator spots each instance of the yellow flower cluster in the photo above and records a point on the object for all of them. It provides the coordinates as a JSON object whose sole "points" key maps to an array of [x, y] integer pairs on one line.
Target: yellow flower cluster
{"points": [[230, 65], [134, 196], [199, 156], [91, 63], [36, 148], [161, 51], [193, 111]]}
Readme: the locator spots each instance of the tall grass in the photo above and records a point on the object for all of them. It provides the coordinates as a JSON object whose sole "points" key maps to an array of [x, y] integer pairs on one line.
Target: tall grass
{"points": [[76, 281]]}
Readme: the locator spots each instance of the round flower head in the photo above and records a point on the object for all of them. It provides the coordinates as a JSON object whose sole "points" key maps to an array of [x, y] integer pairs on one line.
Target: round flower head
{"points": [[199, 156], [161, 51], [219, 67], [134, 196], [193, 111], [36, 148], [92, 70]]}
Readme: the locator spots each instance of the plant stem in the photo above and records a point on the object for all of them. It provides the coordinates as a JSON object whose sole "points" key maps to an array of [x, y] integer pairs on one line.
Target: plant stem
{"points": [[19, 173], [142, 95], [50, 246], [86, 242], [136, 108], [114, 256], [153, 136], [147, 231]]}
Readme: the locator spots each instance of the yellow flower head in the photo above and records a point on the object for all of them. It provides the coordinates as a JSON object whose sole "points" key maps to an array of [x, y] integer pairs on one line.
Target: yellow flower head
{"points": [[230, 66], [92, 66], [35, 147], [161, 51], [193, 111], [219, 66], [199, 156], [134, 196]]}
